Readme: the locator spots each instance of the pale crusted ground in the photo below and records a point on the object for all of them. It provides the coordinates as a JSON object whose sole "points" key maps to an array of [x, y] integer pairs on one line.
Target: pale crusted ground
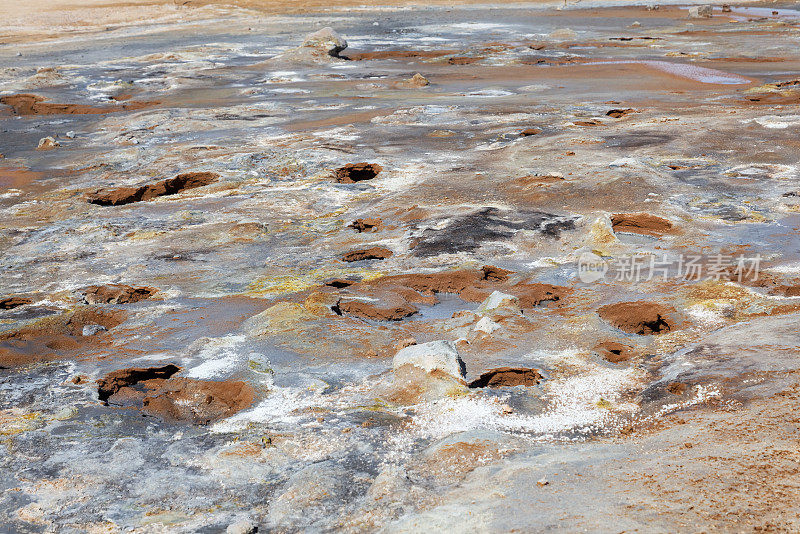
{"points": [[334, 442]]}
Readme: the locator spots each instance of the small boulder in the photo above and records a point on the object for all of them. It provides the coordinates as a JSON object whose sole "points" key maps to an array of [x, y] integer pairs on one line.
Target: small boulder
{"points": [[499, 300], [418, 80], [47, 143], [700, 12], [433, 356], [327, 40]]}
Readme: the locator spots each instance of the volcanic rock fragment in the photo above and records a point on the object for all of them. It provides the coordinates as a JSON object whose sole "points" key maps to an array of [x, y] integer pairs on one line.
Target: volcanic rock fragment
{"points": [[357, 172], [639, 317], [507, 376], [530, 131], [170, 186], [433, 357], [47, 143], [374, 253], [700, 12], [116, 294], [319, 47]]}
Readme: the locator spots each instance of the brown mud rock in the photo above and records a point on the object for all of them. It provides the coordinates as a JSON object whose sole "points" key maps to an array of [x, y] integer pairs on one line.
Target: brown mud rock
{"points": [[639, 317], [26, 104], [116, 294], [366, 225], [200, 402], [617, 113], [530, 131], [13, 302], [392, 309], [495, 274], [156, 391], [531, 295], [614, 352], [506, 377], [374, 253], [110, 384], [357, 172], [640, 223], [170, 186]]}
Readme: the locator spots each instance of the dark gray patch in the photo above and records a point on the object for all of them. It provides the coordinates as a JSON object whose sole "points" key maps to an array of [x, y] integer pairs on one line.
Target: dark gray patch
{"points": [[467, 233], [637, 140]]}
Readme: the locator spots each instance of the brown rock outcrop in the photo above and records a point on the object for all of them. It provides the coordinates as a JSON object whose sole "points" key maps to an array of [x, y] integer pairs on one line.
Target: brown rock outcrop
{"points": [[507, 376], [170, 186], [116, 294], [357, 172]]}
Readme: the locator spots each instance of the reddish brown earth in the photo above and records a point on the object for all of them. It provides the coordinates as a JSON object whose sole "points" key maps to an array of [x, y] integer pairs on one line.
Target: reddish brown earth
{"points": [[157, 392], [14, 302], [116, 294], [26, 104], [639, 317], [393, 308], [617, 113], [374, 253], [531, 295], [357, 172], [366, 225], [55, 337], [170, 186], [641, 223], [507, 376], [614, 352], [530, 131]]}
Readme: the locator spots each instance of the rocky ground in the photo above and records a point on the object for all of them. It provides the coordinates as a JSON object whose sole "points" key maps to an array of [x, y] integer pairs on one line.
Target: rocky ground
{"points": [[468, 268]]}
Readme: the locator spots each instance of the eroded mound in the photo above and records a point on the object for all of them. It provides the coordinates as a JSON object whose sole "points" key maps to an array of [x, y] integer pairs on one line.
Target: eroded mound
{"points": [[116, 294], [26, 104], [156, 391], [614, 352], [639, 317], [641, 223], [374, 253], [357, 172], [506, 377], [170, 186]]}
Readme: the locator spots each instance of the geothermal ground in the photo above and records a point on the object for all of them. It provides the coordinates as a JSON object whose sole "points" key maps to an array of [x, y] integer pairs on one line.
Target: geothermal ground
{"points": [[510, 268]]}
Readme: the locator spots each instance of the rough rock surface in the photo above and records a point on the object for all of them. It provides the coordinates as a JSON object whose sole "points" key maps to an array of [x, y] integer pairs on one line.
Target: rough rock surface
{"points": [[433, 356], [639, 317], [116, 294], [170, 186]]}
